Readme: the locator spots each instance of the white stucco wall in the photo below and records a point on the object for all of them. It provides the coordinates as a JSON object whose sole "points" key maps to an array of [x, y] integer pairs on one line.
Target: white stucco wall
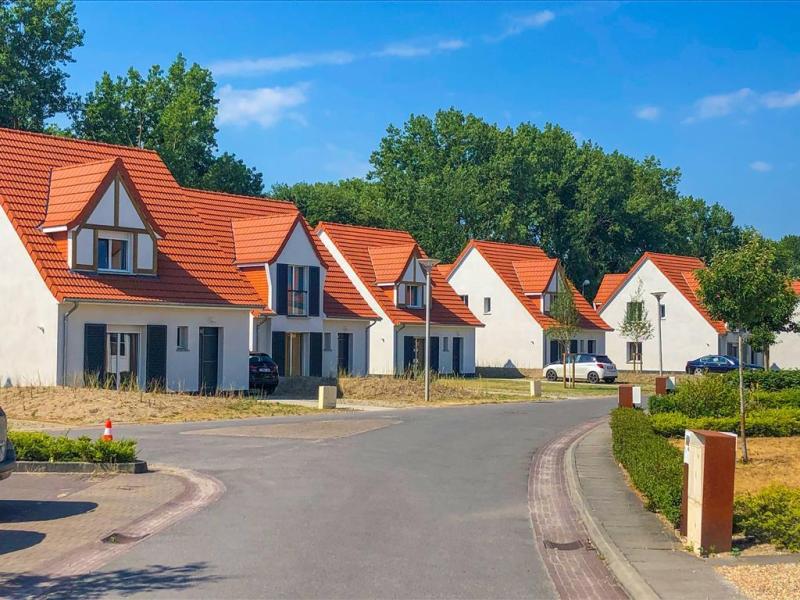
{"points": [[686, 334], [182, 366], [786, 353], [29, 332]]}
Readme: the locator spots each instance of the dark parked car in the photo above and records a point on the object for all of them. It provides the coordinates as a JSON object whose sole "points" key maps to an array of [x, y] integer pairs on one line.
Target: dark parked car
{"points": [[715, 363], [8, 459], [263, 372]]}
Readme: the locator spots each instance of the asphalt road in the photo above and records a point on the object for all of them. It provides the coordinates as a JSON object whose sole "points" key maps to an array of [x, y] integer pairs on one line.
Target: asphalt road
{"points": [[434, 506]]}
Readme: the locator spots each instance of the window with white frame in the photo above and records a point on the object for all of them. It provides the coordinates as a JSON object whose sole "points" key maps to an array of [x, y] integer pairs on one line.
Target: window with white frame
{"points": [[413, 295], [634, 352], [297, 289], [326, 342], [487, 305], [113, 254], [182, 342]]}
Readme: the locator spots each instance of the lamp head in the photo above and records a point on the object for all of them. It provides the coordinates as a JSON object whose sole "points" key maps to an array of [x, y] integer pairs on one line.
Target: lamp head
{"points": [[658, 295], [427, 264]]}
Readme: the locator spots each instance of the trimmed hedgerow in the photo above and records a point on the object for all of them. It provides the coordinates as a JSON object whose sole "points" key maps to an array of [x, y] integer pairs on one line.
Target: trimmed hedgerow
{"points": [[787, 398], [654, 465], [771, 515], [38, 446], [764, 423], [705, 396], [770, 381]]}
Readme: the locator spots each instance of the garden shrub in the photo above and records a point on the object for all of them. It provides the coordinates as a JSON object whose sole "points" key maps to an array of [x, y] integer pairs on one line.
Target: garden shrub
{"points": [[770, 381], [38, 446], [786, 398], [704, 396], [771, 515], [782, 422], [653, 464]]}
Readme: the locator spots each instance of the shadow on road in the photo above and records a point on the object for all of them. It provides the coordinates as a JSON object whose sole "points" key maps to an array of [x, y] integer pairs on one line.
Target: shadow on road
{"points": [[152, 578], [11, 541], [21, 511]]}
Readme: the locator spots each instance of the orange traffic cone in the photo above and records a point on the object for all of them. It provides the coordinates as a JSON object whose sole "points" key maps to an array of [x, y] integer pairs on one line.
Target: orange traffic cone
{"points": [[107, 436]]}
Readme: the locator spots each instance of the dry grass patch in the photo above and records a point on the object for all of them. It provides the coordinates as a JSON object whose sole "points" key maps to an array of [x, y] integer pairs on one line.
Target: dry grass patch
{"points": [[772, 460], [29, 406], [765, 582], [402, 391]]}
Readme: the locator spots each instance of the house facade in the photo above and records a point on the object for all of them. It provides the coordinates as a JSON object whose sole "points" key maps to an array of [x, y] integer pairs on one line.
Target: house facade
{"points": [[110, 276], [687, 330], [510, 288], [383, 267], [785, 354]]}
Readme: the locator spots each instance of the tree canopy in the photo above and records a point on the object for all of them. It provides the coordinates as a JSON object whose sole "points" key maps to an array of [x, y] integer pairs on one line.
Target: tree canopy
{"points": [[37, 38]]}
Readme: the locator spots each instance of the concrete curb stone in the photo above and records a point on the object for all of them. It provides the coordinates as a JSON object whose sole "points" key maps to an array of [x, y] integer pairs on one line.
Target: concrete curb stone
{"points": [[35, 466]]}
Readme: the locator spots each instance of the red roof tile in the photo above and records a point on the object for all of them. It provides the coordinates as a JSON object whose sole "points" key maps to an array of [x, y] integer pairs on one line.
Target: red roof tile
{"points": [[680, 271], [357, 243], [191, 268], [535, 275], [261, 239], [607, 286], [74, 189], [508, 260], [341, 299], [444, 269], [796, 287], [390, 262]]}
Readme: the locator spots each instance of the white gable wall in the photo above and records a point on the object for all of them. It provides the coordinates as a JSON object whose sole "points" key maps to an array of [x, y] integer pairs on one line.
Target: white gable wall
{"points": [[128, 217], [103, 213], [786, 353], [29, 340], [511, 338], [686, 334]]}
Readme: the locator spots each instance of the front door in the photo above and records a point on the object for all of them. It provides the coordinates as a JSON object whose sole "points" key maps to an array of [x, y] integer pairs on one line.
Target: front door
{"points": [[343, 357], [209, 359], [122, 359], [555, 351], [457, 355]]}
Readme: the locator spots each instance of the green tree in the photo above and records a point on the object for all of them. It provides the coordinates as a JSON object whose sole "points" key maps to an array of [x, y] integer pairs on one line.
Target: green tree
{"points": [[636, 325], [37, 38], [761, 339], [789, 254], [566, 326], [352, 201], [230, 174], [748, 290]]}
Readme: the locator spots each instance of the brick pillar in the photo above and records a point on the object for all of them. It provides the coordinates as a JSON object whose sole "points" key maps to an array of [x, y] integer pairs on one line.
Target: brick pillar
{"points": [[661, 385], [626, 396]]}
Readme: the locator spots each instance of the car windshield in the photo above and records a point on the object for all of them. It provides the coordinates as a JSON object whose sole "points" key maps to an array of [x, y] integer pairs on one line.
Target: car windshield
{"points": [[263, 359]]}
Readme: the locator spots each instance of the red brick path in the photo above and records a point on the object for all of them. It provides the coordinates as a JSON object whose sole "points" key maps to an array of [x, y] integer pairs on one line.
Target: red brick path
{"points": [[575, 568]]}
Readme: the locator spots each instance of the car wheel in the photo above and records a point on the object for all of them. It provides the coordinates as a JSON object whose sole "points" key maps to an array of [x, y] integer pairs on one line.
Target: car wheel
{"points": [[551, 375], [593, 377]]}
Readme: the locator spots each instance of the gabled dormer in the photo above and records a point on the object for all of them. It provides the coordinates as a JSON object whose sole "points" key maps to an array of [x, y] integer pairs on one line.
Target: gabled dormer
{"points": [[397, 268], [96, 208]]}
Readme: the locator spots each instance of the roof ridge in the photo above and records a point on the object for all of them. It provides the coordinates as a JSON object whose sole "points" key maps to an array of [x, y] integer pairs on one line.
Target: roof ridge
{"points": [[229, 194], [499, 243], [353, 225], [86, 164], [77, 140]]}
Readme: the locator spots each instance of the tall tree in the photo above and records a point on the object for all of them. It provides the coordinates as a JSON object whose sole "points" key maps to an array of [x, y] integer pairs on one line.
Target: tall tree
{"points": [[566, 326], [789, 254], [747, 289], [352, 201], [636, 325], [173, 113], [37, 38]]}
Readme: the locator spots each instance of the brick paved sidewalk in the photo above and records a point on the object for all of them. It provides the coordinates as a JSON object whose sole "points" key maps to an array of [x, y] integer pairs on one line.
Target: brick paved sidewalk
{"points": [[574, 566]]}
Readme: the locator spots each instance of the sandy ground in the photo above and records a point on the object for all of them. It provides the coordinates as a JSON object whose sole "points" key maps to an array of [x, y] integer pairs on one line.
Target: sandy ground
{"points": [[37, 407], [766, 582]]}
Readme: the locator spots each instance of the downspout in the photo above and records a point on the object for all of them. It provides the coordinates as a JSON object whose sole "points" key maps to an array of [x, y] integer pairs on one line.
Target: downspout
{"points": [[396, 349], [366, 347], [64, 336]]}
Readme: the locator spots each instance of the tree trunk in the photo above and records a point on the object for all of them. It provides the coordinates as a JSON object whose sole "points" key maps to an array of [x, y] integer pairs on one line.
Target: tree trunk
{"points": [[745, 457], [766, 358], [564, 365], [573, 374]]}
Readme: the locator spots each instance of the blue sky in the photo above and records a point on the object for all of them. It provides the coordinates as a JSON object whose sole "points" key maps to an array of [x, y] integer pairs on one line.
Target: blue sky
{"points": [[308, 89]]}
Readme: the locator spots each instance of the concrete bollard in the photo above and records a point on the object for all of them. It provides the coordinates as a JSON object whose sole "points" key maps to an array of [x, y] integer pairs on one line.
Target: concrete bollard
{"points": [[327, 396], [536, 388], [625, 396]]}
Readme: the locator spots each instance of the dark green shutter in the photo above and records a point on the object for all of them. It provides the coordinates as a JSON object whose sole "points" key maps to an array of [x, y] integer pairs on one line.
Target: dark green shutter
{"points": [[156, 359], [408, 352], [279, 351], [313, 291], [434, 362], [315, 364], [94, 351], [281, 290]]}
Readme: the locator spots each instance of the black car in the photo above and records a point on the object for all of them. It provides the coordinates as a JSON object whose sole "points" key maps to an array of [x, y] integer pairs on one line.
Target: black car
{"points": [[715, 363], [263, 372]]}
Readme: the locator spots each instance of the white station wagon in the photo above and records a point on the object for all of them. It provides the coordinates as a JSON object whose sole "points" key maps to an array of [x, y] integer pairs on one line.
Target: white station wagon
{"points": [[594, 368]]}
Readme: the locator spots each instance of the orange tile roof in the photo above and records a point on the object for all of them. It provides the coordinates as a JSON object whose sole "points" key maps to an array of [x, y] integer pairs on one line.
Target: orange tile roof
{"points": [[444, 269], [390, 262], [341, 299], [504, 259], [355, 243], [680, 271], [796, 287], [534, 275], [191, 268], [608, 284], [73, 189], [261, 239]]}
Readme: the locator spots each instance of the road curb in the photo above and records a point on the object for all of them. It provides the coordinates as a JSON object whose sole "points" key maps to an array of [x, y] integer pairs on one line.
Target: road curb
{"points": [[627, 576], [40, 466]]}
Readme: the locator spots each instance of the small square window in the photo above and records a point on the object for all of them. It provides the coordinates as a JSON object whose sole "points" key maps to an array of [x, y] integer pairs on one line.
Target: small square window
{"points": [[487, 306], [413, 296], [326, 342], [112, 255], [182, 342]]}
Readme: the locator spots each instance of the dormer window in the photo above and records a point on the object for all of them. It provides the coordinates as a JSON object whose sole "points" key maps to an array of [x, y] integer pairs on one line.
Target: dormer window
{"points": [[413, 296], [113, 254]]}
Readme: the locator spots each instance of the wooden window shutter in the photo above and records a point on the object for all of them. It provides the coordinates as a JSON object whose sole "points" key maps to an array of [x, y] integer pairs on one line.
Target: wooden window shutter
{"points": [[315, 364], [156, 359], [279, 351], [281, 290], [434, 362], [313, 291]]}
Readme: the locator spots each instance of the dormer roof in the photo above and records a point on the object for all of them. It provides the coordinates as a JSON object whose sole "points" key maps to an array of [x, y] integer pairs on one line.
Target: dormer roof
{"points": [[390, 262], [535, 275], [260, 240]]}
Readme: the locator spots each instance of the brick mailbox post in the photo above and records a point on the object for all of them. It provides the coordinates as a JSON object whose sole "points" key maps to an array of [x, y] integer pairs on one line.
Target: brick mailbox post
{"points": [[711, 458], [664, 385], [625, 396]]}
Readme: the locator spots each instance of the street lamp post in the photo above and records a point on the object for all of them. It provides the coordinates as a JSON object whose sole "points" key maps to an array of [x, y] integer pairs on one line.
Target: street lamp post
{"points": [[427, 265], [658, 296]]}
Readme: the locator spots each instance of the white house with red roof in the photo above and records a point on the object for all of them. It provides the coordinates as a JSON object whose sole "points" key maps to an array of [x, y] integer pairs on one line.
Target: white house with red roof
{"points": [[785, 354], [687, 330], [382, 265], [510, 288], [110, 274]]}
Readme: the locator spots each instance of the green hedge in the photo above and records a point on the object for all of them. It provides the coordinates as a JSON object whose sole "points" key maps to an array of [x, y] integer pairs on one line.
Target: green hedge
{"points": [[43, 447], [654, 465], [704, 396], [769, 381], [764, 423], [788, 398], [771, 515]]}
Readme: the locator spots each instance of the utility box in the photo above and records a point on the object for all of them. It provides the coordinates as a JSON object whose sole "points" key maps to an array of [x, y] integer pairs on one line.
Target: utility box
{"points": [[636, 396], [711, 457], [665, 385], [536, 388], [327, 396], [625, 396]]}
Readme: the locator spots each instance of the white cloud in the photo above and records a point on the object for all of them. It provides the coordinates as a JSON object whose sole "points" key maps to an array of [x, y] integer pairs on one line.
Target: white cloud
{"points": [[781, 99], [760, 166], [274, 64], [264, 106], [719, 105], [648, 113], [518, 24], [414, 49]]}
